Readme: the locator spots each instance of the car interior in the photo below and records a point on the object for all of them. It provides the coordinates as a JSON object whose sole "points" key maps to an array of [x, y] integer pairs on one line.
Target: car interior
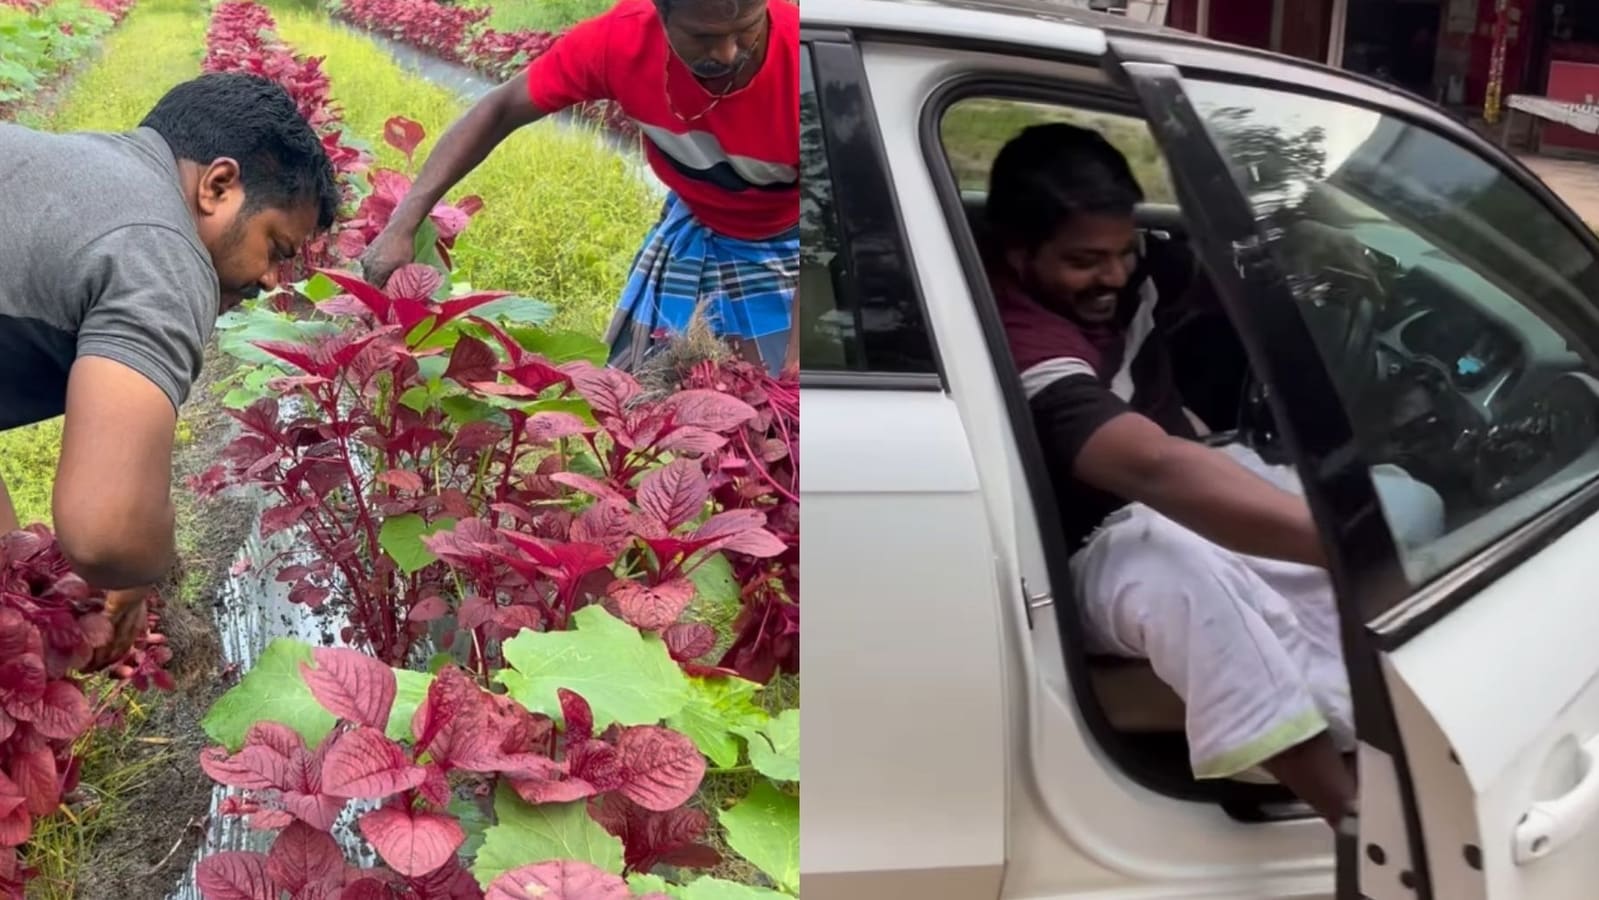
{"points": [[1439, 376]]}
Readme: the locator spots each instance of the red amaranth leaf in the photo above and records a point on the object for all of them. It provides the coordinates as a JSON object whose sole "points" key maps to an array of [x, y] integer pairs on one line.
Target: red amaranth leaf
{"points": [[401, 479], [710, 410], [650, 838], [661, 768], [403, 135], [62, 714], [364, 764], [351, 685], [548, 427], [577, 715], [652, 607], [565, 879], [234, 875], [674, 493], [588, 486], [413, 844], [608, 391], [413, 281], [742, 531], [302, 855], [471, 360], [252, 768], [688, 641], [34, 773]]}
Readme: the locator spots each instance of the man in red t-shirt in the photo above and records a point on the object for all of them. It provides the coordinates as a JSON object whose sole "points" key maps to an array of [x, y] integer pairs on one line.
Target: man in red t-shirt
{"points": [[713, 86]]}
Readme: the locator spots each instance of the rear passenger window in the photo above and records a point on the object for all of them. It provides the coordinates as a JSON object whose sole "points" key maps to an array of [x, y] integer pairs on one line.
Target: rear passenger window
{"points": [[973, 130], [859, 310]]}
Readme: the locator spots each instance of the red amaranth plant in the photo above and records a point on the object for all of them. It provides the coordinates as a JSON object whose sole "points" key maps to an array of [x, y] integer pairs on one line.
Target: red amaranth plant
{"points": [[461, 741], [542, 487], [51, 623]]}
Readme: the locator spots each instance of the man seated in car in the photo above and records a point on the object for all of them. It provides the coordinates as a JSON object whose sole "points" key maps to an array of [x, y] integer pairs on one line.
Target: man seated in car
{"points": [[1204, 560]]}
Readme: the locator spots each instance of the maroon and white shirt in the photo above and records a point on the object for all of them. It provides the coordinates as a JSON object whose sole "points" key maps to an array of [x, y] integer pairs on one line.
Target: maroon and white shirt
{"points": [[1078, 377]]}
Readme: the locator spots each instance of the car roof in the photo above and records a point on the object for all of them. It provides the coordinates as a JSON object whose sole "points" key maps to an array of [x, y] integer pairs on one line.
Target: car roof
{"points": [[1048, 24]]}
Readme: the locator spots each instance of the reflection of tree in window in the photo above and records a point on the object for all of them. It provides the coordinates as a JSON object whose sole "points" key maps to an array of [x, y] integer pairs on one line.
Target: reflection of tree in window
{"points": [[1274, 168]]}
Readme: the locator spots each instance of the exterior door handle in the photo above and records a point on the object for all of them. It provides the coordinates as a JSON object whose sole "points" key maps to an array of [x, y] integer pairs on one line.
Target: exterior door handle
{"points": [[1551, 824]]}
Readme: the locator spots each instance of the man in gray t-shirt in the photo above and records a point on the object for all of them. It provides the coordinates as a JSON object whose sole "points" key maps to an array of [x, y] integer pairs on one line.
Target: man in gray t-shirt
{"points": [[117, 254]]}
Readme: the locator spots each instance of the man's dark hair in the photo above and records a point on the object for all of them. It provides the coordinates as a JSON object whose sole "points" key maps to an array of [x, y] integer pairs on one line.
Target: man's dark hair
{"points": [[254, 121], [1051, 173], [734, 7]]}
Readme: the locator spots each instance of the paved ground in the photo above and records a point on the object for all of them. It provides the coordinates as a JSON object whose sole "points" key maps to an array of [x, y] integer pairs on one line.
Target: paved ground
{"points": [[1576, 182]]}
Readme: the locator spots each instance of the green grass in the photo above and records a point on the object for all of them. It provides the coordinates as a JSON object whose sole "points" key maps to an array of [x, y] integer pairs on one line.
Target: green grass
{"points": [[63, 845], [973, 132], [562, 217], [111, 95], [540, 15]]}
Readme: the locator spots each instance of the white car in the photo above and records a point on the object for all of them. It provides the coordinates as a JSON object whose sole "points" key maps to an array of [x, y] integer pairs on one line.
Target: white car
{"points": [[1440, 312]]}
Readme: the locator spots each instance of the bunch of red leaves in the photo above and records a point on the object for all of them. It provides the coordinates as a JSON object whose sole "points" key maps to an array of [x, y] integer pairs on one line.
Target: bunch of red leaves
{"points": [[51, 623], [28, 6], [533, 507], [116, 9], [242, 38], [439, 28], [464, 740]]}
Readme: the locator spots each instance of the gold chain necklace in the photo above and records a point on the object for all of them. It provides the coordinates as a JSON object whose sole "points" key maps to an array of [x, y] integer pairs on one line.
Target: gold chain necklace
{"points": [[666, 78]]}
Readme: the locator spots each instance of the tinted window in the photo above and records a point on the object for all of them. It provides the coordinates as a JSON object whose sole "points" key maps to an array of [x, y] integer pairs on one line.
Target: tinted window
{"points": [[1449, 304], [858, 305]]}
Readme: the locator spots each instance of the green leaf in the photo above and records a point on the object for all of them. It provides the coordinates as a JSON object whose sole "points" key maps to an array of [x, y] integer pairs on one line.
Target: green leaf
{"points": [[716, 591], [464, 408], [473, 821], [272, 691], [775, 746], [717, 708], [411, 691], [420, 330], [625, 676], [561, 346], [439, 660], [425, 250], [764, 829], [653, 884], [708, 888], [237, 330], [320, 287], [431, 368], [520, 310], [527, 834], [401, 538], [416, 398]]}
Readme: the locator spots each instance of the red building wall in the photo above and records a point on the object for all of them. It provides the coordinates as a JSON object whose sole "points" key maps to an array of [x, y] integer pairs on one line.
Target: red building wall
{"points": [[1245, 22]]}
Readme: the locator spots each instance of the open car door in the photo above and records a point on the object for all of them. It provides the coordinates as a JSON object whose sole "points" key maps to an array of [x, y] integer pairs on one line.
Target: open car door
{"points": [[1410, 297]]}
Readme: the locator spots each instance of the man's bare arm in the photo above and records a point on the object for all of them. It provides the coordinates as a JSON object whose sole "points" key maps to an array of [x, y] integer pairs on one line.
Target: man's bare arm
{"points": [[112, 502], [1199, 487]]}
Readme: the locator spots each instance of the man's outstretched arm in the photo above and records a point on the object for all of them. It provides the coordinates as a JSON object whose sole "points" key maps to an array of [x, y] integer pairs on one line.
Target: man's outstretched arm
{"points": [[464, 146], [1200, 488], [112, 502]]}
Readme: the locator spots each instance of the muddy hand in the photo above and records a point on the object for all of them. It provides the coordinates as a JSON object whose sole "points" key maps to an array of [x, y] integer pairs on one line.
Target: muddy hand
{"points": [[129, 613]]}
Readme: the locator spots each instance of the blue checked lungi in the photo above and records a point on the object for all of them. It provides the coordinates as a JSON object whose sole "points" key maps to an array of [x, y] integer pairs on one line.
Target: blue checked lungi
{"points": [[747, 288]]}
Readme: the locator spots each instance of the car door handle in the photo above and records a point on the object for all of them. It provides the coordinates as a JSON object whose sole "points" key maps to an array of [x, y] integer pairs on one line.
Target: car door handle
{"points": [[1551, 824]]}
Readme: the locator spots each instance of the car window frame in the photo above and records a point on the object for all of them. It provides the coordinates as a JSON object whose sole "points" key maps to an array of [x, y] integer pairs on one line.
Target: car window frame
{"points": [[869, 209], [1414, 609]]}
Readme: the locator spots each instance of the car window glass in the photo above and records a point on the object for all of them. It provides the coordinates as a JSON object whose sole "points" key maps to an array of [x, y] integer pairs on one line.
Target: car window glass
{"points": [[973, 130], [858, 308], [1448, 302]]}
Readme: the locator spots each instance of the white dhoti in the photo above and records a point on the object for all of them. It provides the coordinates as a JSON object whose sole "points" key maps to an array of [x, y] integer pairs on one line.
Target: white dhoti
{"points": [[1250, 644]]}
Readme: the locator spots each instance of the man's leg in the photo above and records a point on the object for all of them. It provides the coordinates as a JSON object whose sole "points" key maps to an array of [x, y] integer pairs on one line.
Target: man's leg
{"points": [[1227, 643]]}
